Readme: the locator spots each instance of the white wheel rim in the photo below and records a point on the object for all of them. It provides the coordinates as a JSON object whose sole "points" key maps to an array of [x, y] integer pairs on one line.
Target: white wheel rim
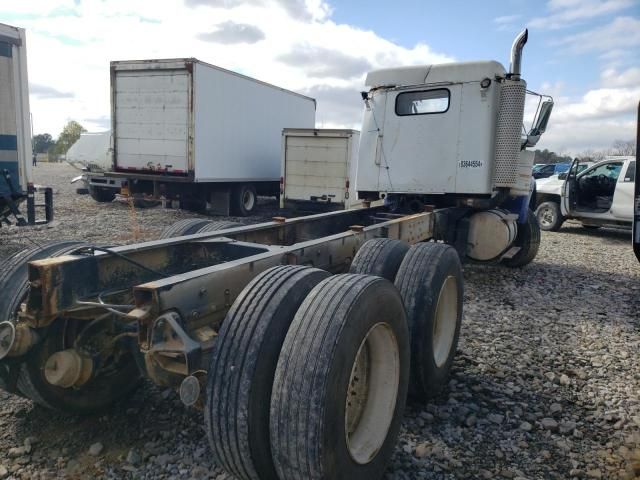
{"points": [[372, 393], [445, 321], [248, 200], [546, 217]]}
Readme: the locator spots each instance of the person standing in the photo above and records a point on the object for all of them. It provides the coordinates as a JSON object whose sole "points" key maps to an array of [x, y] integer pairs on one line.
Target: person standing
{"points": [[35, 159]]}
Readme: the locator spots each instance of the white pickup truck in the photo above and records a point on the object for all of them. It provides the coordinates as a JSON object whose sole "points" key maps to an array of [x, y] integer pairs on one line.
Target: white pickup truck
{"points": [[599, 195]]}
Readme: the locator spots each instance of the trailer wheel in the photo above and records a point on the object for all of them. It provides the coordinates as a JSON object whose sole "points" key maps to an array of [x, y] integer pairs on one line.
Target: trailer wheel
{"points": [[188, 226], [528, 239], [549, 216], [243, 366], [341, 381], [217, 226], [31, 383], [381, 257], [244, 199], [431, 284], [102, 195]]}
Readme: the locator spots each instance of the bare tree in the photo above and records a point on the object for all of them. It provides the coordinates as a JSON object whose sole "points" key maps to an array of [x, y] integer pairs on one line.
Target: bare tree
{"points": [[591, 155], [623, 147]]}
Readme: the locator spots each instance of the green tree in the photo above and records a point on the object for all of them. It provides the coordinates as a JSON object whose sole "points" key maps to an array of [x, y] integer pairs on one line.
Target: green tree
{"points": [[69, 135], [42, 143]]}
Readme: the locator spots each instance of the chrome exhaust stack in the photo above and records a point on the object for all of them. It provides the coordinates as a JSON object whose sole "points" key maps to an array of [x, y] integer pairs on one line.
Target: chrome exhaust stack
{"points": [[516, 55]]}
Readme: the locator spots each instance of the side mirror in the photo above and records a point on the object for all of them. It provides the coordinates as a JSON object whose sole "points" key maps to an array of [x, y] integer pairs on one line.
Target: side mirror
{"points": [[540, 125], [562, 176]]}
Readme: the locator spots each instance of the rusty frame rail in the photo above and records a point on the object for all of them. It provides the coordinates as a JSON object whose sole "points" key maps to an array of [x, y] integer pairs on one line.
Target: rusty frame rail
{"points": [[190, 282]]}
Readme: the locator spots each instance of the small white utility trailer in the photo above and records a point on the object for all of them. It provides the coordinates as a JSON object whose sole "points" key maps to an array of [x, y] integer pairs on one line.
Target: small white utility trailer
{"points": [[195, 133], [319, 169]]}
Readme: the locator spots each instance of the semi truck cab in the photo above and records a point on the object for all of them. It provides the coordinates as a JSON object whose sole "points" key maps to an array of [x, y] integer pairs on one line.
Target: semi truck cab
{"points": [[451, 137]]}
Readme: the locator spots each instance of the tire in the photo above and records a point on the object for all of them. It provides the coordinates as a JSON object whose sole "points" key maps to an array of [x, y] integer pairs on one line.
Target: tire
{"points": [[431, 284], [318, 428], [549, 217], [217, 226], [380, 257], [82, 191], [31, 383], [188, 226], [102, 195], [528, 239], [244, 199], [243, 367]]}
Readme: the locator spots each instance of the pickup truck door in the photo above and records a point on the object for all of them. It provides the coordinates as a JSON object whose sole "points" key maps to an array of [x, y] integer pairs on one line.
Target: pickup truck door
{"points": [[622, 206], [568, 190]]}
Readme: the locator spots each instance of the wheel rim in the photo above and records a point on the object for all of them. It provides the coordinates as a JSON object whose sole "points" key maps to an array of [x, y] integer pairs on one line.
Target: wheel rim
{"points": [[546, 217], [372, 393], [445, 321], [248, 200]]}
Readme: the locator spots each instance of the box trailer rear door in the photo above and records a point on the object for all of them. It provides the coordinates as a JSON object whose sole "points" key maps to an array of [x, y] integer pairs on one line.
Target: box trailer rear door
{"points": [[316, 168], [152, 120]]}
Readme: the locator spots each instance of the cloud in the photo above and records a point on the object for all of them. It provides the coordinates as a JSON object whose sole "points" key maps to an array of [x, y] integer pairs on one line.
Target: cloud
{"points": [[565, 13], [627, 78], [298, 9], [507, 22], [622, 33], [337, 106], [231, 33], [46, 92], [595, 119], [322, 62]]}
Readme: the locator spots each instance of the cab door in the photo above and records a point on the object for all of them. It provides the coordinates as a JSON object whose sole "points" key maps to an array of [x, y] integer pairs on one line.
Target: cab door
{"points": [[622, 206], [569, 189]]}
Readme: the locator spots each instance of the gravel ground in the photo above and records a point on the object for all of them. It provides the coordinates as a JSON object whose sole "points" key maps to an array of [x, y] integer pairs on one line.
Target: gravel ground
{"points": [[546, 383]]}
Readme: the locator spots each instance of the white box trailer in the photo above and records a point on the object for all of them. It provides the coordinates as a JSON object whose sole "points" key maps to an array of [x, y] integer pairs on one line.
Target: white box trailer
{"points": [[319, 168], [92, 151], [181, 122]]}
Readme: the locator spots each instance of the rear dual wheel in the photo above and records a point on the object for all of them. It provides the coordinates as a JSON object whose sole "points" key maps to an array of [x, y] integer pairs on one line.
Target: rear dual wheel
{"points": [[330, 351], [429, 278], [310, 374]]}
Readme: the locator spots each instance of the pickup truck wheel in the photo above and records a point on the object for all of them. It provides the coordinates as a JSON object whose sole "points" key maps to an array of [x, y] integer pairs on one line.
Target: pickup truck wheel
{"points": [[341, 381], [380, 257], [528, 239], [102, 195], [549, 216], [243, 367], [431, 284], [188, 226], [217, 226], [244, 199]]}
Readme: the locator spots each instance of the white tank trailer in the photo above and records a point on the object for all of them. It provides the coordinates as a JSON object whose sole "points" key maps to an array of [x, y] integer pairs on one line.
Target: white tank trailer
{"points": [[451, 135]]}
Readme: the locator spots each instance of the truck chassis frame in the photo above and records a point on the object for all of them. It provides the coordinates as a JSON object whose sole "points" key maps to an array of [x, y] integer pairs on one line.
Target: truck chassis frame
{"points": [[183, 287]]}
